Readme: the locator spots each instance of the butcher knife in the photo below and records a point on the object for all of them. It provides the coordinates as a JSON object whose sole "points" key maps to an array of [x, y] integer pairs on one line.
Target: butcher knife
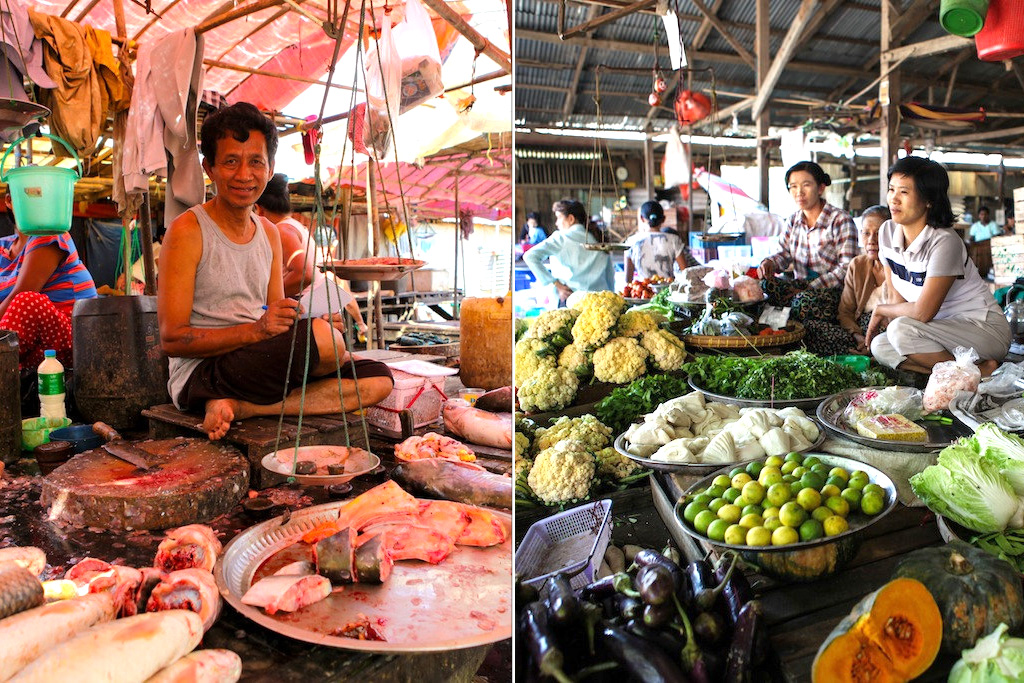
{"points": [[119, 448]]}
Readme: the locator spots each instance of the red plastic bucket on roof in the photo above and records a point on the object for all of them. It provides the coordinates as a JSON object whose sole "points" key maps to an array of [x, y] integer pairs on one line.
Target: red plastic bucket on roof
{"points": [[1002, 37]]}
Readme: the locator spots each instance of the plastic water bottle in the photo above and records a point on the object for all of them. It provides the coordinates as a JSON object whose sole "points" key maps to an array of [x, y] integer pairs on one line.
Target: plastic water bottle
{"points": [[51, 386]]}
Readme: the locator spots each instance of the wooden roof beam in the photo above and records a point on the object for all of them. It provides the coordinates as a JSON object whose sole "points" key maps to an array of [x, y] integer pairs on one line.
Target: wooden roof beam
{"points": [[704, 30], [720, 27], [596, 22], [975, 137], [927, 47], [913, 16], [570, 100], [794, 37], [462, 26], [947, 67]]}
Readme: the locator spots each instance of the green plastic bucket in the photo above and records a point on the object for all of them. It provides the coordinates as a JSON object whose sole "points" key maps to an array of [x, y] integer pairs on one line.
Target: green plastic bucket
{"points": [[963, 17], [42, 197]]}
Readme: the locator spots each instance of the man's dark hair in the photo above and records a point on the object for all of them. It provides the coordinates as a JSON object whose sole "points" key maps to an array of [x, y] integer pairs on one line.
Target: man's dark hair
{"points": [[932, 183], [238, 121], [571, 207], [275, 197], [985, 209]]}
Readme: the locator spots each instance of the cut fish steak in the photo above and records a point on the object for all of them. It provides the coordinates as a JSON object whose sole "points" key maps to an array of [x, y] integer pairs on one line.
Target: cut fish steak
{"points": [[191, 589], [191, 546], [287, 592]]}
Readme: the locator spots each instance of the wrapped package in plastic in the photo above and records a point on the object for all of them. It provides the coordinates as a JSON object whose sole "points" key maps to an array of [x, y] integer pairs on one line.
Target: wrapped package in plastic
{"points": [[905, 401], [949, 377]]}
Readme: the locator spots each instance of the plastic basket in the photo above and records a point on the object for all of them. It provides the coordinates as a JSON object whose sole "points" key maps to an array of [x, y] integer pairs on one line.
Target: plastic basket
{"points": [[42, 197], [1002, 37], [571, 543]]}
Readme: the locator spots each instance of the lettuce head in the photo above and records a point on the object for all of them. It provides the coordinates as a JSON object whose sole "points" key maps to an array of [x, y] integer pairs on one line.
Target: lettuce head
{"points": [[1005, 449], [996, 658]]}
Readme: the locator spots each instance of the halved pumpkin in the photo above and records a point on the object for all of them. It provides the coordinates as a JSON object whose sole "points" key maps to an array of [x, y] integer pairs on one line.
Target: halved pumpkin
{"points": [[892, 634]]}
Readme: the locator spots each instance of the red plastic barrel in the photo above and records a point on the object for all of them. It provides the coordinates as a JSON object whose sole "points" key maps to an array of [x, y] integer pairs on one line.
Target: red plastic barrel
{"points": [[1002, 37]]}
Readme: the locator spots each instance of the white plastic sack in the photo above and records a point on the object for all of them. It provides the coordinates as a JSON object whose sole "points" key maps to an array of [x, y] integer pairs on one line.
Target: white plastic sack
{"points": [[677, 161], [383, 90], [952, 376], [421, 59]]}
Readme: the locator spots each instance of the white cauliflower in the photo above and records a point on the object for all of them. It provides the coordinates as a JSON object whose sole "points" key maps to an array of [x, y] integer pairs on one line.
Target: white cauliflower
{"points": [[572, 358], [549, 388], [635, 323], [593, 327], [620, 361], [554, 327], [666, 349], [530, 356], [613, 465], [521, 444], [609, 300], [587, 429], [562, 473]]}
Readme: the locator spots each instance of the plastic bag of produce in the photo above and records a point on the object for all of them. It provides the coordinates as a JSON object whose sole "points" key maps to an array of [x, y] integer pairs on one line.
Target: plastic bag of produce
{"points": [[383, 90], [747, 289], [949, 377], [421, 59], [905, 401]]}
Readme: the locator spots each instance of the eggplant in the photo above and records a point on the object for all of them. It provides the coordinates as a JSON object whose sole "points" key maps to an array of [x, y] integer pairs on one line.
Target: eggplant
{"points": [[599, 589], [563, 607], [653, 557], [643, 660], [741, 659], [709, 627], [705, 599], [655, 584], [736, 591], [525, 594], [656, 616], [667, 639], [699, 576], [671, 553], [629, 607], [540, 642]]}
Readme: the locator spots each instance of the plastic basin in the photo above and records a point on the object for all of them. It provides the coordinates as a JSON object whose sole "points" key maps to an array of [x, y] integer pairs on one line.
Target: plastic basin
{"points": [[37, 430], [81, 437]]}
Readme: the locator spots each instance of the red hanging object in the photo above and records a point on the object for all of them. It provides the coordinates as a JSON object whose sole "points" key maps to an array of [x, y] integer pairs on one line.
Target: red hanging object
{"points": [[1002, 36], [654, 99], [691, 107]]}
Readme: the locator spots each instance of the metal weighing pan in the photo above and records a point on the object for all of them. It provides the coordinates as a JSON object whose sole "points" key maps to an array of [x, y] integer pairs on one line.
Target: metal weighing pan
{"points": [[465, 601], [357, 269], [830, 414], [359, 462], [806, 404]]}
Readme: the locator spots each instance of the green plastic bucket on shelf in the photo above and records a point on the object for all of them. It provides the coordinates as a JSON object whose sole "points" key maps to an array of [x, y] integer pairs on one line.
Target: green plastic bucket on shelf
{"points": [[42, 197], [858, 363], [963, 17]]}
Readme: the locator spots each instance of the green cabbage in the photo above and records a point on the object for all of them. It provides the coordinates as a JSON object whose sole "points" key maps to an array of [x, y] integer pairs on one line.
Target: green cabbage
{"points": [[1005, 449], [969, 489], [996, 658]]}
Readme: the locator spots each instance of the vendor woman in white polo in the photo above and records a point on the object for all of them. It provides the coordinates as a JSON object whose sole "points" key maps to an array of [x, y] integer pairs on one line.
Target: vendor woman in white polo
{"points": [[938, 300]]}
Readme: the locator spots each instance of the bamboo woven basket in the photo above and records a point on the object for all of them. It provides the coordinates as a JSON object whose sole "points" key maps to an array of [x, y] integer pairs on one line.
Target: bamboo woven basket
{"points": [[710, 341]]}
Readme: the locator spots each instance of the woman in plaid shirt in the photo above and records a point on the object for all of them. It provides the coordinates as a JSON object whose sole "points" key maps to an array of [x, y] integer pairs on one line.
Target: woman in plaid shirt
{"points": [[819, 242]]}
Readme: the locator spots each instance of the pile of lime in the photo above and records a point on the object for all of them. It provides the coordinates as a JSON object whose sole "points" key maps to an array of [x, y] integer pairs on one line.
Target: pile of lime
{"points": [[780, 501]]}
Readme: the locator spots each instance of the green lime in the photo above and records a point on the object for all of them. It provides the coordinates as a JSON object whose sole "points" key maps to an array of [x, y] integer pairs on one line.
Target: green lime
{"points": [[829, 490], [736, 470], [811, 530], [820, 469], [736, 535], [852, 496], [730, 513], [703, 498], [835, 525], [839, 472], [717, 504], [811, 460], [800, 471], [808, 499], [772, 523], [860, 474], [857, 483], [750, 521], [752, 509], [873, 488], [821, 513], [770, 512], [788, 467], [838, 482], [794, 457], [773, 461], [812, 480], [740, 480], [838, 505], [753, 492], [702, 520], [722, 480], [792, 515], [691, 510], [796, 487], [785, 535], [759, 536], [778, 494], [872, 503], [788, 478], [754, 468], [716, 530], [732, 494], [716, 491], [769, 476]]}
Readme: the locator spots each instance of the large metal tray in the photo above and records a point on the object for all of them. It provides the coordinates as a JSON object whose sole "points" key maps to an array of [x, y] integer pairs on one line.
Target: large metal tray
{"points": [[465, 601], [830, 414], [692, 468], [806, 404], [354, 270]]}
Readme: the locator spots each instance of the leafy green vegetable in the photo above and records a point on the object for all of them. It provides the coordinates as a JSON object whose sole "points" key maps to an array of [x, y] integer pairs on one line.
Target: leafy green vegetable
{"points": [[969, 489], [1005, 449], [795, 375], [659, 303], [996, 658], [625, 404]]}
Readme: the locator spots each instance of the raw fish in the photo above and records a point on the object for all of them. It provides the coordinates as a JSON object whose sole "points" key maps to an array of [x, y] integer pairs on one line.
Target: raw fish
{"points": [[287, 593], [456, 481], [202, 666], [478, 426]]}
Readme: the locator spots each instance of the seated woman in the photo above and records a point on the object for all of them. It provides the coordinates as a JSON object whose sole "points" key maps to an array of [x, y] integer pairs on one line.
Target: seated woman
{"points": [[937, 299], [819, 242], [864, 288], [40, 280], [656, 252], [591, 271]]}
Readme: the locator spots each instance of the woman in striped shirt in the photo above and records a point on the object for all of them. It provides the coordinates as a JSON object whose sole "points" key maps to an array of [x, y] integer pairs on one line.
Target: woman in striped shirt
{"points": [[40, 280]]}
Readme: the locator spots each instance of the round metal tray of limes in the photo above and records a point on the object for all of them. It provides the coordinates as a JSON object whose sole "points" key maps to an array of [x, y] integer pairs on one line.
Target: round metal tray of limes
{"points": [[796, 518]]}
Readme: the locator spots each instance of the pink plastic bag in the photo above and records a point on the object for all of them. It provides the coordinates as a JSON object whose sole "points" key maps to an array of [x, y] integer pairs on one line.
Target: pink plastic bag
{"points": [[421, 60], [952, 376], [383, 90]]}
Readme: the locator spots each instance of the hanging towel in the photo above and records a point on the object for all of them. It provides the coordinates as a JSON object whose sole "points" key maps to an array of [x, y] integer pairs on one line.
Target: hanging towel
{"points": [[19, 40]]}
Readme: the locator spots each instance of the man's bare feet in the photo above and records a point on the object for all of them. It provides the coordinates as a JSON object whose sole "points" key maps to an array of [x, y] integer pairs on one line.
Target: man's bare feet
{"points": [[987, 367], [219, 414]]}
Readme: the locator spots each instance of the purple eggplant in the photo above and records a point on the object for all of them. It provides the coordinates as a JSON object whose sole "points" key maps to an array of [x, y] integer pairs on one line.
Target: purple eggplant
{"points": [[641, 659], [741, 658], [736, 590]]}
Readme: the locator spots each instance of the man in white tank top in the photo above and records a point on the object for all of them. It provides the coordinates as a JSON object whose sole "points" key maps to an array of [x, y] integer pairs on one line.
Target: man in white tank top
{"points": [[225, 323]]}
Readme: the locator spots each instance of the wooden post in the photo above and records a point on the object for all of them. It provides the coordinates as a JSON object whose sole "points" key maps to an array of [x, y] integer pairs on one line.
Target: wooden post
{"points": [[458, 238], [648, 166], [888, 97], [372, 215], [345, 225], [481, 44], [146, 237], [761, 47]]}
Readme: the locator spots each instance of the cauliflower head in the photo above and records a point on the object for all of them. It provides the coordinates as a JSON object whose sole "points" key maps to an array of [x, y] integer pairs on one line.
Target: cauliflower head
{"points": [[666, 349], [562, 473], [523, 465], [572, 358], [620, 361], [550, 388], [587, 429], [593, 327], [521, 444], [613, 465], [610, 301], [554, 327], [635, 323], [531, 355]]}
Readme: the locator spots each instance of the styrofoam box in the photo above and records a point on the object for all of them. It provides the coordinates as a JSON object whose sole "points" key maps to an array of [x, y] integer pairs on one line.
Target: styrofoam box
{"points": [[426, 408]]}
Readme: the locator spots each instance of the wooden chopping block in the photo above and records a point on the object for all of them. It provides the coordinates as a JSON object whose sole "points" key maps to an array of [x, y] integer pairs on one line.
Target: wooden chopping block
{"points": [[195, 481]]}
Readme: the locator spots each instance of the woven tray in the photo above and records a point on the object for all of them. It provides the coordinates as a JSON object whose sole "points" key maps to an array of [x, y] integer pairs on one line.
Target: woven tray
{"points": [[710, 341]]}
